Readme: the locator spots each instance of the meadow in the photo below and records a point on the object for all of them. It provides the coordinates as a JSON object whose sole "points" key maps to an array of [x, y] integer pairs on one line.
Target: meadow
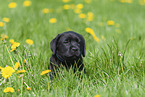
{"points": [[115, 47]]}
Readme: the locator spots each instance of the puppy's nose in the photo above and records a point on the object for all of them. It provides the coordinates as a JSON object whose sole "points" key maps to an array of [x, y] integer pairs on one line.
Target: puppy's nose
{"points": [[74, 49]]}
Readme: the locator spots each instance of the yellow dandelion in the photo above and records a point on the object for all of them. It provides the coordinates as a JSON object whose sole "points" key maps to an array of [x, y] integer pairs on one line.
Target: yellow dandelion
{"points": [[12, 5], [90, 16], [14, 46], [79, 6], [21, 71], [110, 22], [14, 49], [28, 88], [29, 41], [90, 31], [27, 3], [45, 72], [141, 2], [66, 7], [129, 1], [45, 10], [3, 36], [65, 1], [1, 24], [88, 1], [17, 64], [52, 20], [7, 72], [77, 11], [11, 41], [82, 15], [9, 89], [97, 96], [6, 19]]}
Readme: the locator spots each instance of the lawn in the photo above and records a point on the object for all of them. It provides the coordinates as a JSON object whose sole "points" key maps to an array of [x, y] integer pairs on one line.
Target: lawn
{"points": [[115, 47]]}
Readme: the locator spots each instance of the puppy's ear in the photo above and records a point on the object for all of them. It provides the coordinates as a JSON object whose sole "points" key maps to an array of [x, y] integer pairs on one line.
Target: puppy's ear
{"points": [[83, 46], [53, 44]]}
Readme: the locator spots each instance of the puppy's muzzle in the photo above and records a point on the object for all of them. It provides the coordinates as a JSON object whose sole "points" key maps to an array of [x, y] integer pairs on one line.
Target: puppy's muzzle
{"points": [[74, 49]]}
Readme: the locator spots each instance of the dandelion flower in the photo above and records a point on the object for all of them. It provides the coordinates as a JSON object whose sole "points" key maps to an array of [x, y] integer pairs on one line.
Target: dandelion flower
{"points": [[52, 20], [9, 89], [90, 31], [15, 44], [1, 24], [129, 1], [79, 6], [65, 1], [12, 5], [28, 88], [88, 1], [21, 71], [14, 49], [45, 72], [66, 7], [82, 15], [3, 36], [11, 41], [6, 19], [77, 11], [46, 10], [7, 72], [27, 3], [17, 64], [97, 96], [90, 16], [110, 22], [29, 41]]}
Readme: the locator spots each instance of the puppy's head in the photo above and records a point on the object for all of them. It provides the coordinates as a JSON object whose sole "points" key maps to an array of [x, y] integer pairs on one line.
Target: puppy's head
{"points": [[68, 46]]}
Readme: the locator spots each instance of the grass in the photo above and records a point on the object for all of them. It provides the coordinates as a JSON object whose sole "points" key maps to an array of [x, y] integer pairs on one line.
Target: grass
{"points": [[115, 67]]}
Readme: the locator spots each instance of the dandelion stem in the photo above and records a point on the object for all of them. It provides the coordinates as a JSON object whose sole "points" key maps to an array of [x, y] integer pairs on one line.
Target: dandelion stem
{"points": [[21, 60], [48, 84], [10, 55], [122, 67], [22, 88]]}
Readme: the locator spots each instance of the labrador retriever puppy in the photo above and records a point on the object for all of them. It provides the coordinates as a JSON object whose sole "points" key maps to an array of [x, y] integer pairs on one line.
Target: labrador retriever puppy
{"points": [[68, 49]]}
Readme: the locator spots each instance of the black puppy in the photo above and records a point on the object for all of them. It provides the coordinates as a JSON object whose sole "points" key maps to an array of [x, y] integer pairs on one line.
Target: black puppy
{"points": [[68, 49]]}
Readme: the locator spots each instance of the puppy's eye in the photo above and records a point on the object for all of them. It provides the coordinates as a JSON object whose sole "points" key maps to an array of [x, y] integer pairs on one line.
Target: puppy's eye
{"points": [[78, 41], [66, 41]]}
